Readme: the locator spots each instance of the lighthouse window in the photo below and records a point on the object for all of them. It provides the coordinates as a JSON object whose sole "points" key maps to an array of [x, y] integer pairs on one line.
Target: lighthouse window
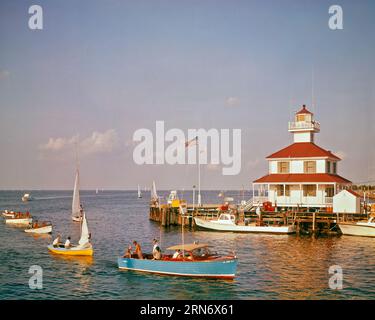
{"points": [[310, 167], [334, 167], [300, 117], [280, 190], [283, 167], [309, 190]]}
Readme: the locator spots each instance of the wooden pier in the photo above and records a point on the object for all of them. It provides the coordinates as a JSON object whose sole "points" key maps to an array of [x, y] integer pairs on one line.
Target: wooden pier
{"points": [[307, 223]]}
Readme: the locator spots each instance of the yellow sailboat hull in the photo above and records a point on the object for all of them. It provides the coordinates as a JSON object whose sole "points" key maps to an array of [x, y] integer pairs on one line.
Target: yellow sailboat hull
{"points": [[72, 251]]}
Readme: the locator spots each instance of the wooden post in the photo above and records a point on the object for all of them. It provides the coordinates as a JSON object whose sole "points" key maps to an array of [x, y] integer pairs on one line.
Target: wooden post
{"points": [[313, 225]]}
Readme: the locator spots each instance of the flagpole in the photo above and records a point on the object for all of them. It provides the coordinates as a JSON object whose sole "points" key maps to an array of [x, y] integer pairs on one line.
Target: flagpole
{"points": [[199, 179]]}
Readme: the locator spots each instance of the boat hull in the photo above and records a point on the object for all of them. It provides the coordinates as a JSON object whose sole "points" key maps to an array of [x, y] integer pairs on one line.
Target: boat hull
{"points": [[46, 229], [74, 251], [218, 269], [355, 229], [23, 222], [209, 225]]}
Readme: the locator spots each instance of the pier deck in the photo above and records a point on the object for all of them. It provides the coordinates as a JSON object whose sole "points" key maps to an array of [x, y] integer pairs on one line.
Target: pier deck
{"points": [[306, 222]]}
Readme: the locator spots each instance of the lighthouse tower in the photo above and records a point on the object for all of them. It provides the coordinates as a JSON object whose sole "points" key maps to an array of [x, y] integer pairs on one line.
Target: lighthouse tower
{"points": [[304, 127]]}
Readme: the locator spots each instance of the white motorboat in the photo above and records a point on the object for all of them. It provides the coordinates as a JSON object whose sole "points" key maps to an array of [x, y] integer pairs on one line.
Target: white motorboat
{"points": [[226, 222], [361, 229], [21, 221], [39, 227], [8, 214], [27, 197]]}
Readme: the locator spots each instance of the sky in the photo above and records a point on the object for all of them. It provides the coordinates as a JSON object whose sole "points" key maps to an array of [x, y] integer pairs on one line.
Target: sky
{"points": [[100, 70]]}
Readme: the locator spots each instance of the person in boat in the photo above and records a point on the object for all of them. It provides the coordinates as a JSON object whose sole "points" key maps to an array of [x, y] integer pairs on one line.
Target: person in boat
{"points": [[177, 254], [128, 253], [156, 251], [81, 211], [57, 241], [67, 244], [138, 250]]}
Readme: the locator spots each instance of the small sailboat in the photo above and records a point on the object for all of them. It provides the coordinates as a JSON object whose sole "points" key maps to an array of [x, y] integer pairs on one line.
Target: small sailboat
{"points": [[96, 191], [139, 192], [39, 227], [76, 203], [84, 247]]}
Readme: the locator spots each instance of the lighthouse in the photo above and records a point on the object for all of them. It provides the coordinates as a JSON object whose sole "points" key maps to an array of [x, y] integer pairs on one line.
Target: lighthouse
{"points": [[301, 174]]}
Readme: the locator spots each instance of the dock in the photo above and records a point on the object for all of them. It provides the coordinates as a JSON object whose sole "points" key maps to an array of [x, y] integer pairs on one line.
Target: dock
{"points": [[307, 223]]}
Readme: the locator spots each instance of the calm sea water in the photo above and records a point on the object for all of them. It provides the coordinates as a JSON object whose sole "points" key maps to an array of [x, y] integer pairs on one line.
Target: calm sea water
{"points": [[270, 267]]}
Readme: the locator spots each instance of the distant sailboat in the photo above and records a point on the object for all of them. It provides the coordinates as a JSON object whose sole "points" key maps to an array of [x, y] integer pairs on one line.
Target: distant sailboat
{"points": [[154, 194], [97, 191], [139, 192], [76, 203]]}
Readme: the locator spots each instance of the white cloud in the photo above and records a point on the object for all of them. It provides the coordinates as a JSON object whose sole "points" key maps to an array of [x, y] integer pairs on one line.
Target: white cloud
{"points": [[96, 143], [232, 101], [57, 144], [100, 142]]}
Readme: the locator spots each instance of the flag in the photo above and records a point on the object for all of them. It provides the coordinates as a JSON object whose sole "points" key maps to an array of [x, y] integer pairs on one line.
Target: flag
{"points": [[191, 142]]}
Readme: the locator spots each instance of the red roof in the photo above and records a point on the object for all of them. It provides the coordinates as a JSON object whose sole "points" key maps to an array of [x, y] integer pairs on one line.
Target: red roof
{"points": [[354, 193], [303, 150], [304, 111], [302, 178]]}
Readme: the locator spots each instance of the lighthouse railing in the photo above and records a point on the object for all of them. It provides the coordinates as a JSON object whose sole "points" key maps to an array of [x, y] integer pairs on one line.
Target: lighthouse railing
{"points": [[296, 125]]}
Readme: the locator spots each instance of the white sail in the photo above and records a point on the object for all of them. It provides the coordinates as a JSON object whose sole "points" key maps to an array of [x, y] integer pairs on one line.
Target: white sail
{"points": [[139, 192], [154, 195], [84, 231], [76, 203]]}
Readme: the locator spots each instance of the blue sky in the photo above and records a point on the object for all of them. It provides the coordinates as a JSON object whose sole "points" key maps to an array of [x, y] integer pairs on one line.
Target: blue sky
{"points": [[103, 69]]}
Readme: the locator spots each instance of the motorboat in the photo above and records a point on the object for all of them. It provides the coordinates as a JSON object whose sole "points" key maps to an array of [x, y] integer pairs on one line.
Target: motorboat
{"points": [[193, 260], [227, 222], [362, 229]]}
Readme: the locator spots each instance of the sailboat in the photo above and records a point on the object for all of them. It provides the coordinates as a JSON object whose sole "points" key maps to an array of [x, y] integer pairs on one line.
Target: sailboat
{"points": [[76, 203], [139, 192], [154, 194], [84, 247]]}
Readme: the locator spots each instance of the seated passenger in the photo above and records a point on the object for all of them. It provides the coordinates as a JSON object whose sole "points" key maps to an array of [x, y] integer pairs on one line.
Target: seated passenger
{"points": [[57, 241], [138, 250], [67, 243], [176, 254], [128, 253], [156, 251]]}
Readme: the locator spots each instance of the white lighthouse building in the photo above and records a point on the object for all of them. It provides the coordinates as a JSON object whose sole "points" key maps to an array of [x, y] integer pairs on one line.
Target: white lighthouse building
{"points": [[302, 174]]}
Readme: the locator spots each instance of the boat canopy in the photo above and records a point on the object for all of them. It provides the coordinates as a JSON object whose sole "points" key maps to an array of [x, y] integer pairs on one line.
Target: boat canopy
{"points": [[188, 247]]}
